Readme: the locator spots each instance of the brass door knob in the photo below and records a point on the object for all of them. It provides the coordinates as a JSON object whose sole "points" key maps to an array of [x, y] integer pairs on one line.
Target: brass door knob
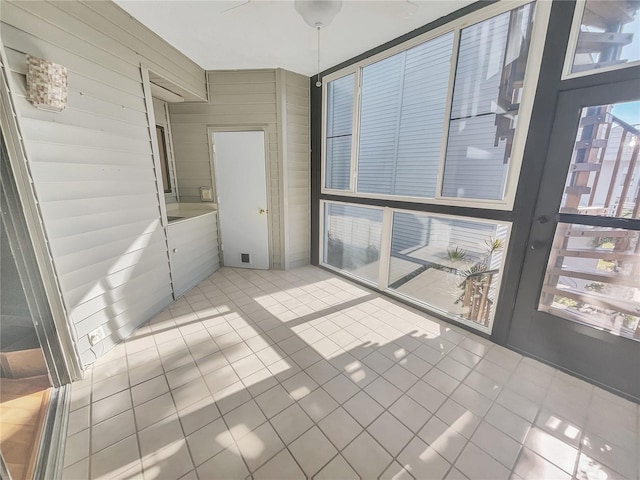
{"points": [[262, 211]]}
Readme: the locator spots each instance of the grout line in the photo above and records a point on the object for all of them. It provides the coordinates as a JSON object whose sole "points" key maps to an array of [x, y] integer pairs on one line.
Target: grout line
{"points": [[235, 288]]}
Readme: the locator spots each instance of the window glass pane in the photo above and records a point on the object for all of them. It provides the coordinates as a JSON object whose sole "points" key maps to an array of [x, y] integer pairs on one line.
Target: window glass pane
{"points": [[352, 239], [609, 35], [338, 132], [604, 175], [487, 92], [593, 277], [403, 101], [450, 264], [475, 166], [164, 159]]}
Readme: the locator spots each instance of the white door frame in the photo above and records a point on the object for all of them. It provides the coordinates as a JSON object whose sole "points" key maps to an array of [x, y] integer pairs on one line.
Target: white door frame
{"points": [[211, 129]]}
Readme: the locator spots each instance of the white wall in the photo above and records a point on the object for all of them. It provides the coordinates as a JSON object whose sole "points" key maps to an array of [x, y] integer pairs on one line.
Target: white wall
{"points": [[297, 168], [274, 99], [92, 164]]}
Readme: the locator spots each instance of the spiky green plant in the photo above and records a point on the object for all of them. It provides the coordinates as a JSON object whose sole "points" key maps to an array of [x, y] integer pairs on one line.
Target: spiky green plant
{"points": [[494, 245], [456, 254]]}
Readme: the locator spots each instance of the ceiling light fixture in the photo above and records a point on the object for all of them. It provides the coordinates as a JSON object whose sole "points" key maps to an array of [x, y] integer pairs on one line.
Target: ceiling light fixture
{"points": [[318, 14]]}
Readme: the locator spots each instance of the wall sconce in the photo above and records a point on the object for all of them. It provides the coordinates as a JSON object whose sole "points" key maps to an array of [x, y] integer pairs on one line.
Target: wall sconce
{"points": [[47, 86]]}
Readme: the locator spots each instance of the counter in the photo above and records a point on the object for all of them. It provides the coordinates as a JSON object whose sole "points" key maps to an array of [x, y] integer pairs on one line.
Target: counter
{"points": [[177, 212]]}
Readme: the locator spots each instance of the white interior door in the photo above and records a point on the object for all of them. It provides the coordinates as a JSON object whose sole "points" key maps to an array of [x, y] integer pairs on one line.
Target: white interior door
{"points": [[241, 185]]}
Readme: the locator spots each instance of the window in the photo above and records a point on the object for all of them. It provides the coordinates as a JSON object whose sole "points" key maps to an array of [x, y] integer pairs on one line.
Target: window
{"points": [[164, 158], [486, 97], [424, 130], [339, 115], [401, 117], [608, 36], [451, 264], [352, 237]]}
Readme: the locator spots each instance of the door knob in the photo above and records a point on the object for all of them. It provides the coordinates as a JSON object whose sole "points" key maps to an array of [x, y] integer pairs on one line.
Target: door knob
{"points": [[262, 211], [542, 219]]}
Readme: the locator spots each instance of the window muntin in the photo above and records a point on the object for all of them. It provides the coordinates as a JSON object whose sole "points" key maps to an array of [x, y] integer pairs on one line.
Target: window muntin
{"points": [[403, 103], [608, 36], [515, 41], [338, 133]]}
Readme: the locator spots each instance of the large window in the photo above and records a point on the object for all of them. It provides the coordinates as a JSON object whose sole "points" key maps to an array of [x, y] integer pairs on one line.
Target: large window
{"points": [[449, 264], [436, 120], [607, 36], [401, 117]]}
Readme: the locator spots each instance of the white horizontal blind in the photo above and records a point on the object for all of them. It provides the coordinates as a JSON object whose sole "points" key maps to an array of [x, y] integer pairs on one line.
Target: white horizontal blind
{"points": [[414, 231], [477, 157], [338, 132], [402, 112]]}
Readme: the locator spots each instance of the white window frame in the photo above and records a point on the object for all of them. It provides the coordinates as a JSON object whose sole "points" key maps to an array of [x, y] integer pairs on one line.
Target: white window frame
{"points": [[541, 20], [573, 43], [385, 259]]}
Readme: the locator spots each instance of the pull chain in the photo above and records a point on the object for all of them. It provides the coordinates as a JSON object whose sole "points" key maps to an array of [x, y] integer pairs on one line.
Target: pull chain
{"points": [[318, 82]]}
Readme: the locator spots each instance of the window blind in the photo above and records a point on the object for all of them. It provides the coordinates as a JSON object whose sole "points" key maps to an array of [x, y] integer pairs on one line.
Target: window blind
{"points": [[403, 101]]}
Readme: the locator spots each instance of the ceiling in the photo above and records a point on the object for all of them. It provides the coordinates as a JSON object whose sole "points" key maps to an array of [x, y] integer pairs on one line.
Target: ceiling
{"points": [[271, 34]]}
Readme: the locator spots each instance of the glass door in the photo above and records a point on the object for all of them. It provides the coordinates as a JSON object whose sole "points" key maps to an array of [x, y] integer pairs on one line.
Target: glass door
{"points": [[32, 367], [578, 304]]}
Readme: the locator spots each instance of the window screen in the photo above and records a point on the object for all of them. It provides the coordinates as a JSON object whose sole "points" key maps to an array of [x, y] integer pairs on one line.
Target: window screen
{"points": [[487, 90], [403, 103], [338, 132]]}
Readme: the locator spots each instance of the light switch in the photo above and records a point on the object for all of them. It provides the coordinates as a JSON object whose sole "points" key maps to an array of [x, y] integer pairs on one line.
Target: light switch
{"points": [[206, 194]]}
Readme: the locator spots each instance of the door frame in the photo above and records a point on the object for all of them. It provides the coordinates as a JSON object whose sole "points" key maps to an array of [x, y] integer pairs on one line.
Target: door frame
{"points": [[572, 346], [211, 129]]}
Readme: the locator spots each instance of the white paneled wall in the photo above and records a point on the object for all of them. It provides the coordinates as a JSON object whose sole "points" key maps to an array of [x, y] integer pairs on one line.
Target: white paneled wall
{"points": [[297, 169], [92, 164], [278, 101]]}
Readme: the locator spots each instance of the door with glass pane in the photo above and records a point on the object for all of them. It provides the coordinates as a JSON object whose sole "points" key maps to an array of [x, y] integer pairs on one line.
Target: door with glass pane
{"points": [[578, 303]]}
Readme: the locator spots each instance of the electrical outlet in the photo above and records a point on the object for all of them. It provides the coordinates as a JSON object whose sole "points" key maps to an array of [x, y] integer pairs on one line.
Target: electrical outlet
{"points": [[96, 336]]}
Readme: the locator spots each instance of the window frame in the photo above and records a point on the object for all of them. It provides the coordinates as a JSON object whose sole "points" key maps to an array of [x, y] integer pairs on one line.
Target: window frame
{"points": [[573, 44], [382, 284], [541, 19]]}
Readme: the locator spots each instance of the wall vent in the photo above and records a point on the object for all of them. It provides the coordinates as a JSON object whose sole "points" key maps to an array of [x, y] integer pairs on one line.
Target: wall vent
{"points": [[245, 258]]}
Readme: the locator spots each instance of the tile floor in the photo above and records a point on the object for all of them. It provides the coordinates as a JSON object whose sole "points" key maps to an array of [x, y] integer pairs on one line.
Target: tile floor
{"points": [[296, 374]]}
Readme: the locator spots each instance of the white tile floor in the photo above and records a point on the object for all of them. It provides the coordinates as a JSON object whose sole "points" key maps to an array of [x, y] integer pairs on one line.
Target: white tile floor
{"points": [[299, 374]]}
